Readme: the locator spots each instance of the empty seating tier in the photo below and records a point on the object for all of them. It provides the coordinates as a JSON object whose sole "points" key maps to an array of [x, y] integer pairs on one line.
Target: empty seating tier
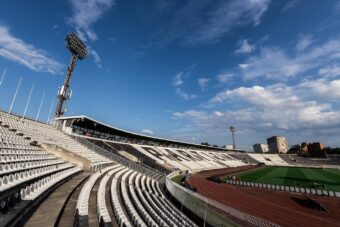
{"points": [[32, 132], [135, 200]]}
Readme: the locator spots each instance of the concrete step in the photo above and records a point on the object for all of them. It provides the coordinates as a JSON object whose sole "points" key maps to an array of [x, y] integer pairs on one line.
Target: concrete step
{"points": [[49, 211]]}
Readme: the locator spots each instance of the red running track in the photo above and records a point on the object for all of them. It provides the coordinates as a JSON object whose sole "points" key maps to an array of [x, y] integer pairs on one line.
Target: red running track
{"points": [[274, 206]]}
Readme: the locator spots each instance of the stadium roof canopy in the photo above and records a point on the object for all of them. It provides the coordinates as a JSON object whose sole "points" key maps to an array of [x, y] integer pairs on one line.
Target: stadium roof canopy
{"points": [[91, 124]]}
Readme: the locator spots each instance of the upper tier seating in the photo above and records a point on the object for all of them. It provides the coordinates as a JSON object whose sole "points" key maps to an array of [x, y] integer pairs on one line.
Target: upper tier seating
{"points": [[293, 159], [269, 159], [166, 159], [36, 132], [185, 159]]}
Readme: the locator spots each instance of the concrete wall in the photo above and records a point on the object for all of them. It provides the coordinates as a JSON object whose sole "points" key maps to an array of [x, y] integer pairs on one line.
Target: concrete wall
{"points": [[68, 156]]}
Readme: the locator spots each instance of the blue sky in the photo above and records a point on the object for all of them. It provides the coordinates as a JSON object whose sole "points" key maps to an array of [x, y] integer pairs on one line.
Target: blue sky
{"points": [[182, 69]]}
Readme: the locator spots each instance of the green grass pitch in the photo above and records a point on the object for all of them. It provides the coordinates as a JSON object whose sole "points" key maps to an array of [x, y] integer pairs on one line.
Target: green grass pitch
{"points": [[294, 176]]}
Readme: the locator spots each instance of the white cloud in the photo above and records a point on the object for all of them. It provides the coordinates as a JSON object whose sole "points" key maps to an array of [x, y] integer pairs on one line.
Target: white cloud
{"points": [[17, 50], [86, 13], [147, 131], [203, 83], [274, 63], [259, 112], [96, 57], [337, 6], [325, 89], [243, 66], [208, 21], [177, 80], [259, 96], [330, 71], [304, 42], [303, 106], [284, 107], [185, 95], [225, 77], [244, 47], [230, 14], [289, 5]]}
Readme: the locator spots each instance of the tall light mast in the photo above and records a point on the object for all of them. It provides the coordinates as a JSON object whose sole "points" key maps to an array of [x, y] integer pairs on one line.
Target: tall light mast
{"points": [[79, 51], [233, 130]]}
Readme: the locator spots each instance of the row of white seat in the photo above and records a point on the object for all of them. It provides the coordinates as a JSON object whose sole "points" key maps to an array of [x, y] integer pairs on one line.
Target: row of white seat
{"points": [[130, 206], [150, 191], [84, 195], [19, 147], [24, 158], [12, 180], [118, 209], [20, 166], [13, 141], [35, 189], [159, 216], [11, 151], [102, 210]]}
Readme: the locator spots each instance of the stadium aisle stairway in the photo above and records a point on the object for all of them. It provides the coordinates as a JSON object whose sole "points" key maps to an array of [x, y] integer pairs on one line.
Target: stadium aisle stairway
{"points": [[54, 203]]}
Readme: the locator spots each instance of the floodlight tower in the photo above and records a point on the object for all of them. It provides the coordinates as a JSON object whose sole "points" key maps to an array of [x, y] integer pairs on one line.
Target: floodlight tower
{"points": [[79, 51], [233, 130]]}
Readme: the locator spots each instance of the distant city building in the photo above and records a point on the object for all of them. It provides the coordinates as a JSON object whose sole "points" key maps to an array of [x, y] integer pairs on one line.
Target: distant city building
{"points": [[260, 148], [228, 146], [311, 149], [277, 144], [315, 146], [315, 150]]}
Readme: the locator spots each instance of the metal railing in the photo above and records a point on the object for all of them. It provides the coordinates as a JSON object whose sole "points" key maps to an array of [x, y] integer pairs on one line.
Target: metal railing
{"points": [[212, 212]]}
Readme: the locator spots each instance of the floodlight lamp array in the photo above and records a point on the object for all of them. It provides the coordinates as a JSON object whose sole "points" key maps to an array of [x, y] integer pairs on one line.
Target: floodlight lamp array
{"points": [[76, 46]]}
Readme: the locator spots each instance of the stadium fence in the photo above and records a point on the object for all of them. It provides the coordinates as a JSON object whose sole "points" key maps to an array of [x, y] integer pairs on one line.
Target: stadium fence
{"points": [[310, 191]]}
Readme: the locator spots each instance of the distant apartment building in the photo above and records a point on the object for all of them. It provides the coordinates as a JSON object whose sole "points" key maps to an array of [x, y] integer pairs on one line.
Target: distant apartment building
{"points": [[260, 148], [277, 144]]}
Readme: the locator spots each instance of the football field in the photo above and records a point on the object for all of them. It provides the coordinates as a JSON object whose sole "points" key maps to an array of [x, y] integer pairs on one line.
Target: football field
{"points": [[294, 176]]}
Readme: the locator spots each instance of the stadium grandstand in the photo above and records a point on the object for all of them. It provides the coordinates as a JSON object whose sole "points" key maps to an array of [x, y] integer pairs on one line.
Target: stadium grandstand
{"points": [[82, 172]]}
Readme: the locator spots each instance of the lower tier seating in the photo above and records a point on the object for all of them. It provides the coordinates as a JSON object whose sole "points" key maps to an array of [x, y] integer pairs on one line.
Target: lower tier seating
{"points": [[135, 200]]}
